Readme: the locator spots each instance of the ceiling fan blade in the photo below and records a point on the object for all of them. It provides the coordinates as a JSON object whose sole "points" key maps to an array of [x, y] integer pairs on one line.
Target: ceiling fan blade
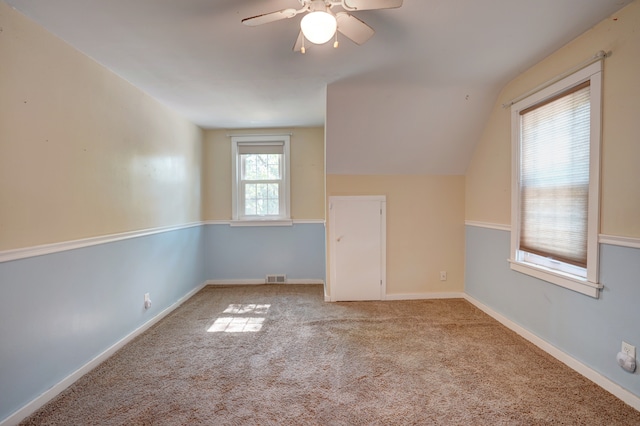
{"points": [[269, 17], [371, 4], [353, 28]]}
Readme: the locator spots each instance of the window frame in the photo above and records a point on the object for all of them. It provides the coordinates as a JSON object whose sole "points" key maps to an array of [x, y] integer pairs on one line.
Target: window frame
{"points": [[563, 277], [237, 199]]}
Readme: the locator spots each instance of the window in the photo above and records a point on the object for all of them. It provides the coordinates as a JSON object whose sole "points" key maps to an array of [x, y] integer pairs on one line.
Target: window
{"points": [[555, 191], [260, 178]]}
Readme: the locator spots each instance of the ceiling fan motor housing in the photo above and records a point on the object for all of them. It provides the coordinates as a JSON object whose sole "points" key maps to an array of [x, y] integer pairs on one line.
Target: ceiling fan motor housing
{"points": [[318, 6]]}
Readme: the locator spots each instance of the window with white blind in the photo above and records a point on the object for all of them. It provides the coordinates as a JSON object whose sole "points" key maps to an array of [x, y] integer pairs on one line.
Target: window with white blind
{"points": [[555, 191], [260, 172]]}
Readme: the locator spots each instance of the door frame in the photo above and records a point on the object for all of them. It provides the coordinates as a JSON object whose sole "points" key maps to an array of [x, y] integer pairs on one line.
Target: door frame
{"points": [[383, 240]]}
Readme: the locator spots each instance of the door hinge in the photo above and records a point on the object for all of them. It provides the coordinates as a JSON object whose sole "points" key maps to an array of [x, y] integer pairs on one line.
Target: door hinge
{"points": [[381, 283]]}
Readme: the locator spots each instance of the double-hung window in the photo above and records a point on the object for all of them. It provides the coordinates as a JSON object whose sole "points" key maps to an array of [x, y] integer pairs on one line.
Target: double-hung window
{"points": [[555, 183], [260, 178]]}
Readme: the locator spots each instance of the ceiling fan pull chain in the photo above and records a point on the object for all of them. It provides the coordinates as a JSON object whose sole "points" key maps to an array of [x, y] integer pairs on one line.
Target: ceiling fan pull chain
{"points": [[335, 43]]}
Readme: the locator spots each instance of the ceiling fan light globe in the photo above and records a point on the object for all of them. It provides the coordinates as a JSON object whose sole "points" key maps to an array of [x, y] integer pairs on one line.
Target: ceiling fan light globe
{"points": [[318, 27]]}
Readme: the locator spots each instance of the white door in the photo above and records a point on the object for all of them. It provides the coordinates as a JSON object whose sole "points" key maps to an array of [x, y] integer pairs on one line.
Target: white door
{"points": [[357, 244]]}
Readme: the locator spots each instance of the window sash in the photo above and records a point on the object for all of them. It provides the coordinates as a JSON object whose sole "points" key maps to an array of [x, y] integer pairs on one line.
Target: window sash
{"points": [[271, 164], [252, 198], [263, 201], [261, 204], [554, 177]]}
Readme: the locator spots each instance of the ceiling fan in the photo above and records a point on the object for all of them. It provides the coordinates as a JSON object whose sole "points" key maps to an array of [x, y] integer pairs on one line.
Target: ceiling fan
{"points": [[321, 24]]}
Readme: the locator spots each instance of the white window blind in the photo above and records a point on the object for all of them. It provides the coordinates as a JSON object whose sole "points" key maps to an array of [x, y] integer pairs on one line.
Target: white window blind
{"points": [[554, 177]]}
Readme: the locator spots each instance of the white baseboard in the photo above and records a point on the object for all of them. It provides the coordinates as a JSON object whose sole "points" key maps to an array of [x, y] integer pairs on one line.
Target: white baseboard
{"points": [[294, 281], [261, 281], [600, 380], [54, 391], [235, 282], [424, 296], [415, 296]]}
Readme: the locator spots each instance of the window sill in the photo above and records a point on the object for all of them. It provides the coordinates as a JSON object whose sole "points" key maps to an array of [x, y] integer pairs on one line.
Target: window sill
{"points": [[576, 284], [262, 222]]}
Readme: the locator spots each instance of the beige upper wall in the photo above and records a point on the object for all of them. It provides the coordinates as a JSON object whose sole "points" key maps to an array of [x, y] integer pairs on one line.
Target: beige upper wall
{"points": [[425, 228], [82, 152], [307, 172], [489, 174]]}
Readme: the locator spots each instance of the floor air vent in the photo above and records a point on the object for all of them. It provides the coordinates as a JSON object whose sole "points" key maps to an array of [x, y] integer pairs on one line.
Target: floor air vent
{"points": [[276, 279]]}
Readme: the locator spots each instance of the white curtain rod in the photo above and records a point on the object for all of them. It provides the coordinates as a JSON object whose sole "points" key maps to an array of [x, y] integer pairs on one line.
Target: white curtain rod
{"points": [[599, 56]]}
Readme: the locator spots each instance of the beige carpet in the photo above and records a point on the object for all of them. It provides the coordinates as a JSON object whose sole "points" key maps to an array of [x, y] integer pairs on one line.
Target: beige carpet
{"points": [[302, 361]]}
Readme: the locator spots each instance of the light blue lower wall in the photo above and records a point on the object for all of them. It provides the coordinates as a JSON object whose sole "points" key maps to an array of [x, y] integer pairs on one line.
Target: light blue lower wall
{"points": [[590, 330], [240, 252], [59, 311]]}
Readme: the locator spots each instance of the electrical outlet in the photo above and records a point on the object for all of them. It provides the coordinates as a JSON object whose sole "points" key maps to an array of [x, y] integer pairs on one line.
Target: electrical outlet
{"points": [[443, 275], [147, 301], [629, 350]]}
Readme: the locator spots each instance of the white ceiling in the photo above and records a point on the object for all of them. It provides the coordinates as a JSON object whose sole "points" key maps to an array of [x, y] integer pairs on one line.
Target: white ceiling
{"points": [[196, 57]]}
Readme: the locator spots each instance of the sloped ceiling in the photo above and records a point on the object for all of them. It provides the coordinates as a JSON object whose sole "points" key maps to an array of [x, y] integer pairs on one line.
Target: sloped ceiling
{"points": [[413, 99]]}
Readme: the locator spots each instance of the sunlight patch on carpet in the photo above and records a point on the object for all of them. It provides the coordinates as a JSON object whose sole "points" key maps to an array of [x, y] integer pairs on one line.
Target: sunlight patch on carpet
{"points": [[240, 324], [236, 325], [247, 309]]}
